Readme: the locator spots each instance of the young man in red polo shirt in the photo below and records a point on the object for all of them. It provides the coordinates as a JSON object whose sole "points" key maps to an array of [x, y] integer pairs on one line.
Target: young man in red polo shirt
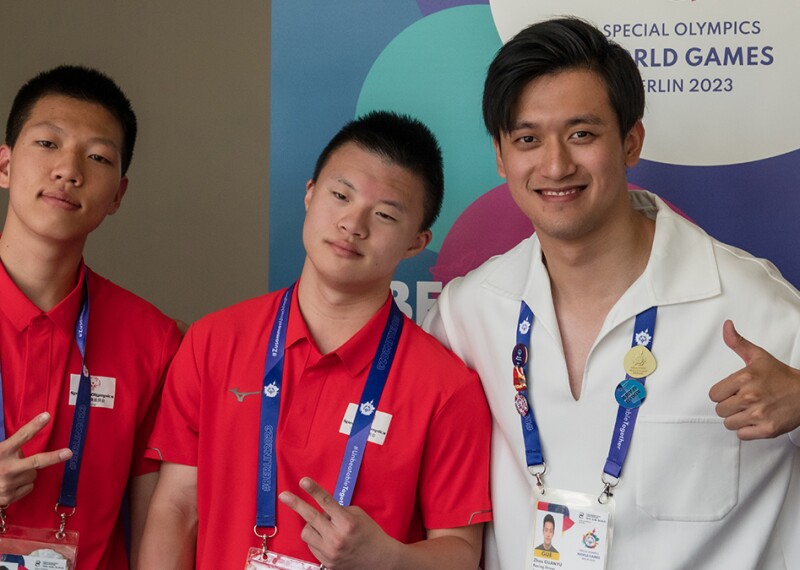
{"points": [[270, 406], [81, 360]]}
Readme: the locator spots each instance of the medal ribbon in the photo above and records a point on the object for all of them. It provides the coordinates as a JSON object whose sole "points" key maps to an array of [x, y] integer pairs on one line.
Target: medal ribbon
{"points": [[626, 417], [362, 424]]}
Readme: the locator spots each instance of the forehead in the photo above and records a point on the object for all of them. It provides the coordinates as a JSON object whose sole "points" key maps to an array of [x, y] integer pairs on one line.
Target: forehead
{"points": [[74, 117], [370, 172], [568, 93]]}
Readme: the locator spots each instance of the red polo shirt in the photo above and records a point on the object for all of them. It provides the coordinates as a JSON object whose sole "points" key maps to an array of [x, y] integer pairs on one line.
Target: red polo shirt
{"points": [[129, 346], [431, 471]]}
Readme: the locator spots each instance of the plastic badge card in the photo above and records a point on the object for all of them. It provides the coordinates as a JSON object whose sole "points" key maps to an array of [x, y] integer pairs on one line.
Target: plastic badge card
{"points": [[571, 531], [273, 561], [34, 548]]}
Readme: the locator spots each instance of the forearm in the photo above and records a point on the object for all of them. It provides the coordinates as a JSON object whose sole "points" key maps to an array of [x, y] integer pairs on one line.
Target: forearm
{"points": [[169, 539], [441, 553], [141, 491], [170, 534]]}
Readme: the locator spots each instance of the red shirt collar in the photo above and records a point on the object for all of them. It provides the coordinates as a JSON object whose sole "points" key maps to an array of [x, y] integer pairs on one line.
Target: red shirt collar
{"points": [[358, 352], [21, 311]]}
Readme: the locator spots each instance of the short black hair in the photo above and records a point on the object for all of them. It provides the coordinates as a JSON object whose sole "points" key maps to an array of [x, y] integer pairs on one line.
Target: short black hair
{"points": [[77, 82], [551, 47], [548, 518], [402, 140]]}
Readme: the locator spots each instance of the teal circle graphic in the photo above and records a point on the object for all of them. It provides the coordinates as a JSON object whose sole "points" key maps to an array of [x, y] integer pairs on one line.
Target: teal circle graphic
{"points": [[434, 70]]}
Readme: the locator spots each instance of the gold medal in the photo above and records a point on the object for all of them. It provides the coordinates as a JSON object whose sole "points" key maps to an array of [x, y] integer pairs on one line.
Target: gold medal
{"points": [[639, 362]]}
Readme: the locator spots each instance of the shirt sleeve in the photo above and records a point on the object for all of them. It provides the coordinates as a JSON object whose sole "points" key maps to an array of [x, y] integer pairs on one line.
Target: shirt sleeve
{"points": [[142, 464], [454, 478], [794, 436], [434, 325], [174, 437]]}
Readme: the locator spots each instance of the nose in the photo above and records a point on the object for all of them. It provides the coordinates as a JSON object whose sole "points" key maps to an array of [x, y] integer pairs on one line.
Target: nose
{"points": [[68, 168], [557, 161], [355, 223]]}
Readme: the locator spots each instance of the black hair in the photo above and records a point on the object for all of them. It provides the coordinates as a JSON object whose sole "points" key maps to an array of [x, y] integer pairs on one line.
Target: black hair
{"points": [[548, 518], [551, 47], [402, 140], [80, 83]]}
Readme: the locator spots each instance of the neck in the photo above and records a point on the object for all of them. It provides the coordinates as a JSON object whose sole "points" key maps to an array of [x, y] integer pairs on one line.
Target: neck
{"points": [[333, 315], [44, 273], [597, 271]]}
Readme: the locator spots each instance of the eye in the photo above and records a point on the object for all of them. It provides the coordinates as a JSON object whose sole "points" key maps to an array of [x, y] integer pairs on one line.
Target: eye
{"points": [[581, 135], [385, 216], [99, 158], [338, 195], [526, 139], [46, 144]]}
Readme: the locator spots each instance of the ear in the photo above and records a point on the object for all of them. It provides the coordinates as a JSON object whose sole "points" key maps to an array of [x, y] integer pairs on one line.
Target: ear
{"points": [[309, 192], [421, 241], [117, 200], [634, 141], [5, 166], [501, 169]]}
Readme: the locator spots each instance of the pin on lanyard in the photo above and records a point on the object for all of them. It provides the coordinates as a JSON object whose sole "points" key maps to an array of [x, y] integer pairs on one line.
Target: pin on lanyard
{"points": [[80, 417], [630, 394], [530, 430], [266, 501]]}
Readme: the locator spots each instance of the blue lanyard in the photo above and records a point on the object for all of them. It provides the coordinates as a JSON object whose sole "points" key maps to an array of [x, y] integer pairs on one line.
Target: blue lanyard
{"points": [[266, 505], [643, 330], [83, 403], [80, 417], [530, 430]]}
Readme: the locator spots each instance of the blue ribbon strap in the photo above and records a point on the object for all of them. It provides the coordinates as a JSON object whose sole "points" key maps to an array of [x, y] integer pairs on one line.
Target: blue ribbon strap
{"points": [[367, 408], [83, 404], [270, 407], [626, 417]]}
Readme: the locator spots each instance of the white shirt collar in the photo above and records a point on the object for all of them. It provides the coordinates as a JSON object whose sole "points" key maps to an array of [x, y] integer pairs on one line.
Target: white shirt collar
{"points": [[682, 267]]}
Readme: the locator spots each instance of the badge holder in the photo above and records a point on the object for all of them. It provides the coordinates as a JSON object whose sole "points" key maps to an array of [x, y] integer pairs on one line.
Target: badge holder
{"points": [[43, 549], [571, 531], [263, 559], [260, 559]]}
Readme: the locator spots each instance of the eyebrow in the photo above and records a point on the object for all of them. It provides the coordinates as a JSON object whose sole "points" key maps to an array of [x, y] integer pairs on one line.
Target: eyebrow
{"points": [[588, 119], [399, 206], [56, 128]]}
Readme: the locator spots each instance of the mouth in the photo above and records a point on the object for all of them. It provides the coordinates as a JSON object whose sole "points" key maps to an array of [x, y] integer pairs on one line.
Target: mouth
{"points": [[560, 192], [344, 248], [60, 200]]}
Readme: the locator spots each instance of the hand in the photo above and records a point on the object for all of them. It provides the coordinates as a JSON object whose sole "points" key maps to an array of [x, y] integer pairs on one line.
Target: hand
{"points": [[340, 537], [17, 472], [761, 400]]}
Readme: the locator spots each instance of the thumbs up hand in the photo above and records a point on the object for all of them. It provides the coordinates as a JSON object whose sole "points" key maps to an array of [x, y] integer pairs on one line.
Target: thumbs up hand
{"points": [[761, 400]]}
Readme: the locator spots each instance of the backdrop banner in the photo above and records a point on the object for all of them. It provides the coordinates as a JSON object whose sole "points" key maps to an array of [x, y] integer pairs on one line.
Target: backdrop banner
{"points": [[722, 141]]}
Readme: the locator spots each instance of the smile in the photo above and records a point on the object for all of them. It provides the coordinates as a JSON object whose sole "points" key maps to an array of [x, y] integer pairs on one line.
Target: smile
{"points": [[559, 192]]}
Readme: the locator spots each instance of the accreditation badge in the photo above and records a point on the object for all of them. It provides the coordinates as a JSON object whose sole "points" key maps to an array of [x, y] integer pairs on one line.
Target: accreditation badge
{"points": [[29, 548], [258, 559], [571, 531]]}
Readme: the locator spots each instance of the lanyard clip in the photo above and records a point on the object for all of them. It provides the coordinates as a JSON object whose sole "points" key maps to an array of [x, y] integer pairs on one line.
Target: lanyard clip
{"points": [[264, 537], [62, 526], [538, 475], [608, 485]]}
